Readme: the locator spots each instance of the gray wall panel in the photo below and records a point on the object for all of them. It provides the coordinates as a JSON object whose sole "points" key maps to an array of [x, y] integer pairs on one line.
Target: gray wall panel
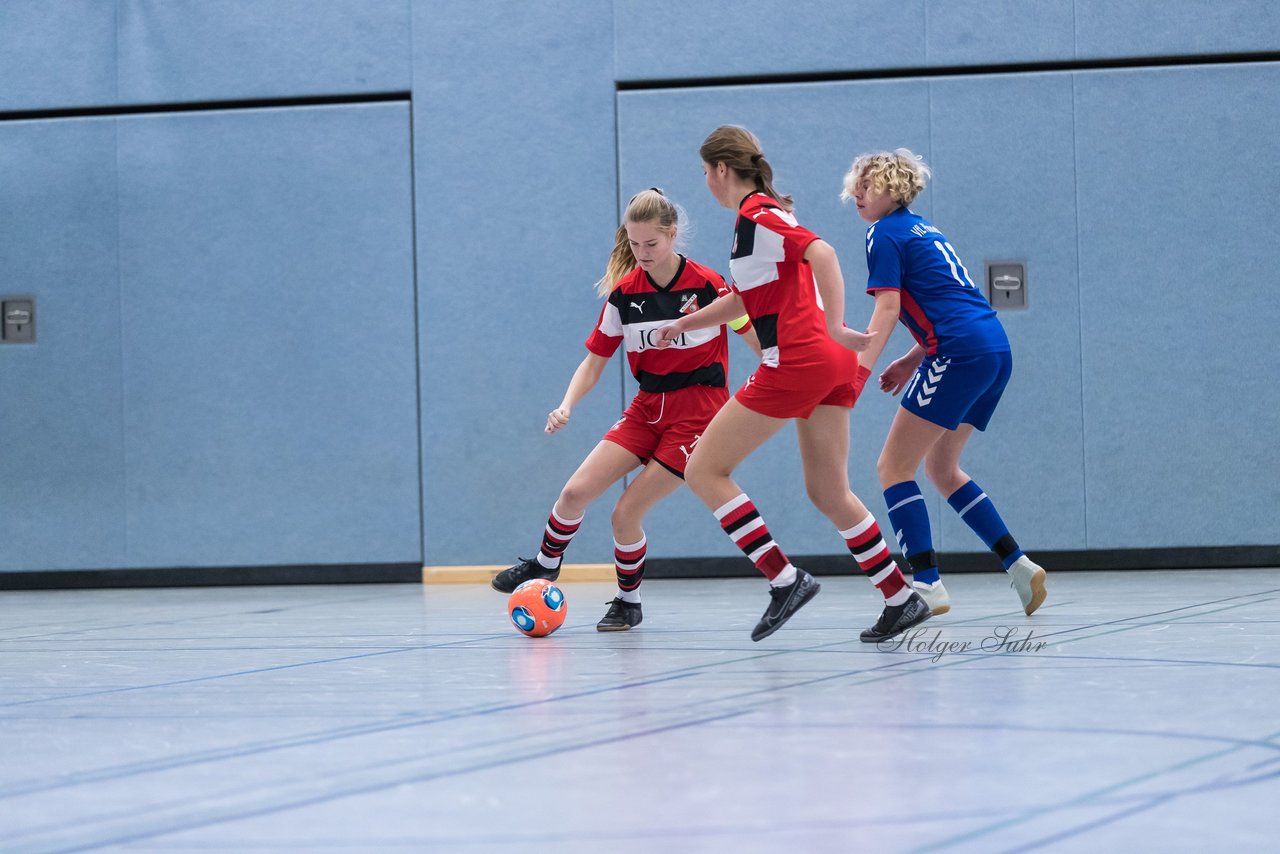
{"points": [[62, 469], [270, 397], [190, 50], [760, 38], [1179, 190], [1013, 197], [764, 37], [516, 203], [1110, 28], [226, 368], [995, 32], [59, 54]]}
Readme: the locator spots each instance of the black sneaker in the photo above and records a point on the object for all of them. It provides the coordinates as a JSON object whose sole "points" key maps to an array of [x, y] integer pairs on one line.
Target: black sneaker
{"points": [[896, 619], [785, 601], [513, 576], [622, 615]]}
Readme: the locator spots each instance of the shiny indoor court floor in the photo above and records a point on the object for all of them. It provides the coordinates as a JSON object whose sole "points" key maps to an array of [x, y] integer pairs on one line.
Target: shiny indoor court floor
{"points": [[1137, 711]]}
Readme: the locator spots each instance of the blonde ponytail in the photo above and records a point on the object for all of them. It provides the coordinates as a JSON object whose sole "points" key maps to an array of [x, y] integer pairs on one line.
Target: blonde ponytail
{"points": [[621, 261], [646, 206]]}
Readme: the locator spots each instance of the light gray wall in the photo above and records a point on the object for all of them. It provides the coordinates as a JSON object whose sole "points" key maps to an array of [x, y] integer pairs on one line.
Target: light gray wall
{"points": [[516, 189], [330, 333], [225, 369], [760, 37]]}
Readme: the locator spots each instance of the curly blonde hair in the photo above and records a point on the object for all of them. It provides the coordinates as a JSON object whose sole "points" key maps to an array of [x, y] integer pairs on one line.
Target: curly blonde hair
{"points": [[900, 173]]}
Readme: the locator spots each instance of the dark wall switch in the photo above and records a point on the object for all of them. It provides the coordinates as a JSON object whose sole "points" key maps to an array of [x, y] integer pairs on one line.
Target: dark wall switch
{"points": [[18, 320], [1007, 284]]}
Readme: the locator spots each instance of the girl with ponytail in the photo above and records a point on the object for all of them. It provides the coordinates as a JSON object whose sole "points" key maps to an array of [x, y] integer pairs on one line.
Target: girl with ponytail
{"points": [[646, 284], [788, 282]]}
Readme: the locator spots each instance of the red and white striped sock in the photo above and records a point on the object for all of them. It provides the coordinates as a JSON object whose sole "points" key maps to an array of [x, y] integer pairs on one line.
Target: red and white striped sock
{"points": [[872, 554], [556, 537], [741, 521], [628, 565]]}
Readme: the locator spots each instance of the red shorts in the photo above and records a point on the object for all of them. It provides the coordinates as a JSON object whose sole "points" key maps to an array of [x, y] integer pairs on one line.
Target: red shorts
{"points": [[796, 392], [664, 426]]}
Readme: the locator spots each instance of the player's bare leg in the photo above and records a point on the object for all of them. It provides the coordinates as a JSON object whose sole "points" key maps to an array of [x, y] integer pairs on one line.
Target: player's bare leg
{"points": [[823, 438], [910, 438], [732, 436], [728, 440], [604, 466], [824, 448], [942, 460], [630, 546]]}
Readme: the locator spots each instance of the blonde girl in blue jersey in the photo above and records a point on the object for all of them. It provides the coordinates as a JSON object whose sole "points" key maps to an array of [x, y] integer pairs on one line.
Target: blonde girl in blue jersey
{"points": [[952, 378]]}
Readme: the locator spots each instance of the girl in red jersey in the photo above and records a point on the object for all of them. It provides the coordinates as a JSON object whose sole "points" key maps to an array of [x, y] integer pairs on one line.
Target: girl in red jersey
{"points": [[784, 278], [648, 285]]}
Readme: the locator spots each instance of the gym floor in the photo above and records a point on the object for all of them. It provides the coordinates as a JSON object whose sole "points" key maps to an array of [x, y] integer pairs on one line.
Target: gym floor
{"points": [[1134, 711]]}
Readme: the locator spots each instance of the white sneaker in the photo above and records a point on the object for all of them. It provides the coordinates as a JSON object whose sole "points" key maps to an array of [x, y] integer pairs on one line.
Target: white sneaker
{"points": [[1028, 579], [934, 595]]}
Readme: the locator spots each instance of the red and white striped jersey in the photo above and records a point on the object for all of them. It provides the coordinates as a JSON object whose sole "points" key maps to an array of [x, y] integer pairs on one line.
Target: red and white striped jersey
{"points": [[776, 284], [638, 306]]}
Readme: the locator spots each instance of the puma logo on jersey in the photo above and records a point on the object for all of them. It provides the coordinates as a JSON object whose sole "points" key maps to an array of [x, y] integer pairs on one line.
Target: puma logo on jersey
{"points": [[690, 304], [640, 307]]}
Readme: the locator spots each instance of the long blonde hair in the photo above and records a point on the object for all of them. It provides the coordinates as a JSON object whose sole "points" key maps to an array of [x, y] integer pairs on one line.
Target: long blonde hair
{"points": [[738, 148], [645, 206], [900, 173]]}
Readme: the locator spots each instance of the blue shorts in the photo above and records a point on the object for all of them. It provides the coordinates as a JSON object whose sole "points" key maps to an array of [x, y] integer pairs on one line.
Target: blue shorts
{"points": [[950, 391]]}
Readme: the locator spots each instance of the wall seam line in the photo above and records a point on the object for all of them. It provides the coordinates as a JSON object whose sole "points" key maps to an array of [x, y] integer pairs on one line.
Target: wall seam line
{"points": [[1084, 444]]}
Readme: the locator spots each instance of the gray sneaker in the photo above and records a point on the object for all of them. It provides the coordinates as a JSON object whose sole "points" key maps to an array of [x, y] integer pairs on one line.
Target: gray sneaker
{"points": [[1028, 579], [934, 595]]}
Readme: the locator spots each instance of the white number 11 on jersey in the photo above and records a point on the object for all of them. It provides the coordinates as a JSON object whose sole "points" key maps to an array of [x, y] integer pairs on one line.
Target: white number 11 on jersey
{"points": [[953, 261]]}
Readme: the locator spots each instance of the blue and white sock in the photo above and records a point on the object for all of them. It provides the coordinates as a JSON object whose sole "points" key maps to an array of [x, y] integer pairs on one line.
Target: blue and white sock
{"points": [[909, 516], [977, 511]]}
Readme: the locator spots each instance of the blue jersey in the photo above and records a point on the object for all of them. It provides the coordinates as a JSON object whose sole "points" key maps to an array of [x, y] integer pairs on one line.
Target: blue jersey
{"points": [[943, 309]]}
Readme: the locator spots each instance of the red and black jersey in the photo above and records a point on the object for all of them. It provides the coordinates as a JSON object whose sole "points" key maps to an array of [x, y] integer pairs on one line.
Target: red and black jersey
{"points": [[776, 284], [638, 306]]}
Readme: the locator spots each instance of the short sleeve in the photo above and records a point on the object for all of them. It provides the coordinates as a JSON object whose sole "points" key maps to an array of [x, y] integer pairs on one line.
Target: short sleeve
{"points": [[607, 334], [795, 237], [884, 262]]}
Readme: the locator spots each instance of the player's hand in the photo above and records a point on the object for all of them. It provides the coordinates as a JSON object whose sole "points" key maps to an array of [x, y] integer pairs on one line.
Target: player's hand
{"points": [[556, 419], [896, 376], [666, 336], [851, 340]]}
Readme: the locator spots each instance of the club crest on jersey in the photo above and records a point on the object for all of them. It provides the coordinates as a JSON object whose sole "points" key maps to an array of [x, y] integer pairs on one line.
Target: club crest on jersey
{"points": [[690, 304]]}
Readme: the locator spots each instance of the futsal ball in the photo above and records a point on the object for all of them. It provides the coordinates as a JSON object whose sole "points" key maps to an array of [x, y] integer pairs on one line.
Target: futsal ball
{"points": [[537, 607]]}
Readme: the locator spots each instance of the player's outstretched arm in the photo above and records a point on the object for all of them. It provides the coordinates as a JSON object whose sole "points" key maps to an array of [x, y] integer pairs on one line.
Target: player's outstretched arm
{"points": [[584, 379], [723, 310], [883, 319]]}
